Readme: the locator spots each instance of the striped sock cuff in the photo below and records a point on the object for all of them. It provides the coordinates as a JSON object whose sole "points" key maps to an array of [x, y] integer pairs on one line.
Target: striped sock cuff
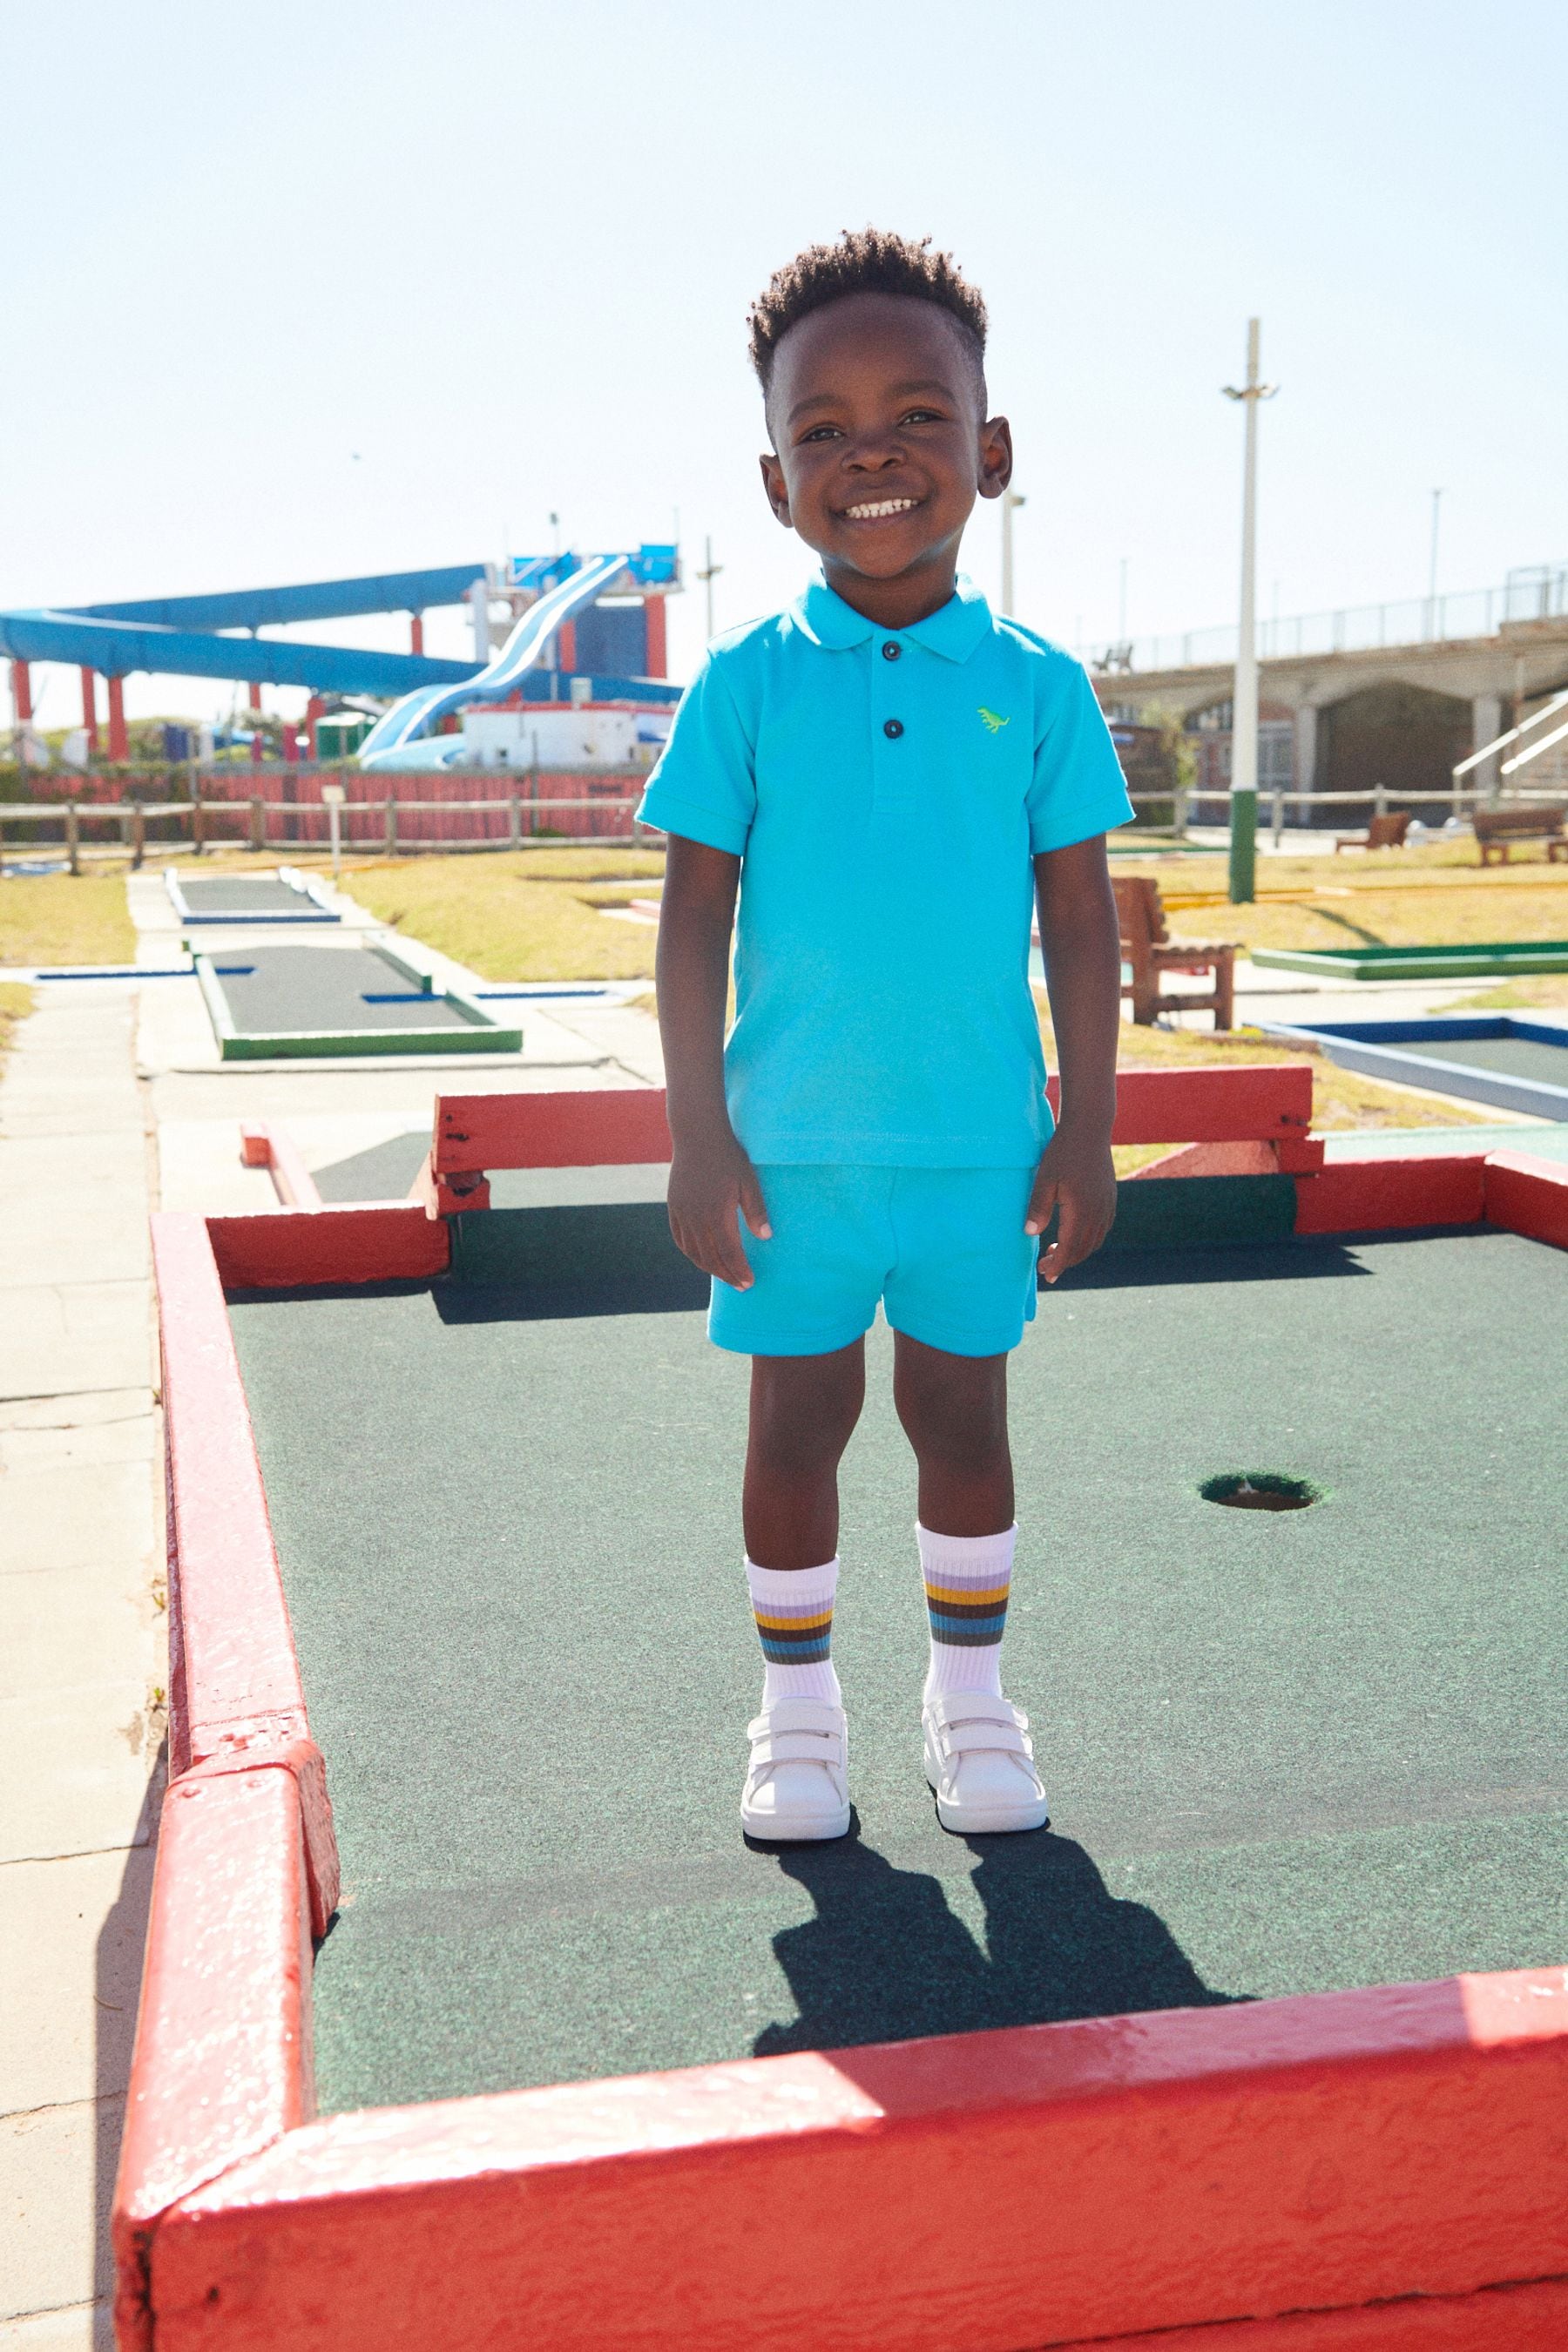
{"points": [[967, 1582], [794, 1609]]}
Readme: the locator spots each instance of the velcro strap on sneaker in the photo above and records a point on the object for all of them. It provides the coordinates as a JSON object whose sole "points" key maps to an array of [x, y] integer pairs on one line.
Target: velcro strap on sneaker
{"points": [[798, 1747], [977, 1738], [818, 1714]]}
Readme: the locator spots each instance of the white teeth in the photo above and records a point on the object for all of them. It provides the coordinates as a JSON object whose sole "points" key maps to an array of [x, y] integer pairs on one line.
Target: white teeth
{"points": [[882, 506]]}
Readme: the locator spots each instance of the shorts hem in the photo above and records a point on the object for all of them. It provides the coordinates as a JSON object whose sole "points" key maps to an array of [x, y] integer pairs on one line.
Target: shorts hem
{"points": [[787, 1344], [951, 1345]]}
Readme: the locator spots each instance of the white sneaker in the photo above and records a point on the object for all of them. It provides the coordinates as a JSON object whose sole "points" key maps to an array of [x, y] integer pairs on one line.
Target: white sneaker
{"points": [[797, 1785], [980, 1760]]}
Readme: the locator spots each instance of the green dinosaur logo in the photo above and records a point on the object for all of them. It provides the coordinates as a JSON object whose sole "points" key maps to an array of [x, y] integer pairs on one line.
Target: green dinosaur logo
{"points": [[994, 723]]}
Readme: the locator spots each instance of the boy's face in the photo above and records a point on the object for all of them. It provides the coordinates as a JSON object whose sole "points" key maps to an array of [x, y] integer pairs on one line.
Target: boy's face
{"points": [[880, 444]]}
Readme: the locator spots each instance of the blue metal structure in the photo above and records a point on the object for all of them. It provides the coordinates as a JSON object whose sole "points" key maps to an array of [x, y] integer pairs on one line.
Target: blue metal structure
{"points": [[395, 741], [178, 635], [184, 636]]}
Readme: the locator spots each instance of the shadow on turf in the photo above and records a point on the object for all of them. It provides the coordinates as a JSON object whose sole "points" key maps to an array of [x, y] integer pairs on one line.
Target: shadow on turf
{"points": [[885, 1960]]}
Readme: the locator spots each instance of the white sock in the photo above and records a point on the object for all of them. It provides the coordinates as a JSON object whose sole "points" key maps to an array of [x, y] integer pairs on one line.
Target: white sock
{"points": [[967, 1580], [794, 1609]]}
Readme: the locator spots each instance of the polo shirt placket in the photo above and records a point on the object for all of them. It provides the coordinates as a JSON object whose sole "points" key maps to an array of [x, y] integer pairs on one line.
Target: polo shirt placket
{"points": [[892, 661]]}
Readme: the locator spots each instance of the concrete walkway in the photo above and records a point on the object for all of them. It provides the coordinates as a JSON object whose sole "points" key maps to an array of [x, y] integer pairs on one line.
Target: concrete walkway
{"points": [[81, 1646]]}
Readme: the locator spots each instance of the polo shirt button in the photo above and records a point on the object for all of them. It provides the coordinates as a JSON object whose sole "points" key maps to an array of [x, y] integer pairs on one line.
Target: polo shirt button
{"points": [[890, 651], [893, 727]]}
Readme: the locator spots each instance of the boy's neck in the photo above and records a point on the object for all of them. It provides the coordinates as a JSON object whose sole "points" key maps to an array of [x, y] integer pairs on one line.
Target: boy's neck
{"points": [[896, 604]]}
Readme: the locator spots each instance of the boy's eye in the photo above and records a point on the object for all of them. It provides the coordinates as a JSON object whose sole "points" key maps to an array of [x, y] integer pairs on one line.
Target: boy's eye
{"points": [[921, 417], [819, 433]]}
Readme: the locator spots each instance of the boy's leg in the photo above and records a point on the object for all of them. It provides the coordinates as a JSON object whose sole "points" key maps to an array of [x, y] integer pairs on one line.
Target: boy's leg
{"points": [[979, 1757], [803, 1411]]}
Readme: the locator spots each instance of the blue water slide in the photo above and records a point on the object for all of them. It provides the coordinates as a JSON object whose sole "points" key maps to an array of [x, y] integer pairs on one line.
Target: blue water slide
{"points": [[398, 741]]}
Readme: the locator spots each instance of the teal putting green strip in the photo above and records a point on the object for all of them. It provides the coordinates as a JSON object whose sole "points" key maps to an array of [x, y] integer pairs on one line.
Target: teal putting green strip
{"points": [[296, 1000], [1284, 1751], [1479, 958]]}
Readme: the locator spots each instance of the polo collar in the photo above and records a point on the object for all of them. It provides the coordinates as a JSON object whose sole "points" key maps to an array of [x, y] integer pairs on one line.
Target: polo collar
{"points": [[953, 631]]}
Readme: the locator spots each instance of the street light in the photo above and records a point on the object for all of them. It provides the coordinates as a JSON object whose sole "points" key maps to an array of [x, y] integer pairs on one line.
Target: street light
{"points": [[1244, 708], [709, 574], [1010, 502]]}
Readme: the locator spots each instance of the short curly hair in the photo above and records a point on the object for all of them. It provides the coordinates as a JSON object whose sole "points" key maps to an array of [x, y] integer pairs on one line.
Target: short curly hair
{"points": [[864, 261]]}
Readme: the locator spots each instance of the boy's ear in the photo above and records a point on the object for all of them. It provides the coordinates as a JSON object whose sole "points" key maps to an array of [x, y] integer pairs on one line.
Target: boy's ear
{"points": [[995, 456], [775, 485]]}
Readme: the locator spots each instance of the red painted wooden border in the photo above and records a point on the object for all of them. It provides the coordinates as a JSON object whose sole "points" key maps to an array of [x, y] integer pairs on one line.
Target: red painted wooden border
{"points": [[597, 1127], [279, 1249], [236, 1696], [1528, 1195], [1022, 2188], [222, 2065], [1254, 1102], [274, 1149], [1362, 1195]]}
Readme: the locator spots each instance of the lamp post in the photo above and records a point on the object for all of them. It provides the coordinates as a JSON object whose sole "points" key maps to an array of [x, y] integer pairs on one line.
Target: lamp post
{"points": [[709, 574], [1244, 705], [1010, 502]]}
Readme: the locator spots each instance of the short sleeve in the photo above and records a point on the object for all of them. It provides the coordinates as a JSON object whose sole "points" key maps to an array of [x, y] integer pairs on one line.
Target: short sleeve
{"points": [[1077, 789], [704, 787]]}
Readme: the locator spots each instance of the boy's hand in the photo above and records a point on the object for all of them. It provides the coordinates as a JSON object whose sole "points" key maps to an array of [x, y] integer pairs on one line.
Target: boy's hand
{"points": [[708, 1183], [1078, 1178]]}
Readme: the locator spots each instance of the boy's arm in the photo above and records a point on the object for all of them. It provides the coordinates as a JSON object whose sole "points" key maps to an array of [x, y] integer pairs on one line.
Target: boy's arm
{"points": [[1081, 942], [710, 1176]]}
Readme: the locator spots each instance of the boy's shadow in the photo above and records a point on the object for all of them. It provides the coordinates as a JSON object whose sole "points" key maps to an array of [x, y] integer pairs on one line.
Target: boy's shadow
{"points": [[885, 1960]]}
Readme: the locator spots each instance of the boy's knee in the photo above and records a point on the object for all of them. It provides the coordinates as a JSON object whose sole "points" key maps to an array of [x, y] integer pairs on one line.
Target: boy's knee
{"points": [[804, 1409], [952, 1408]]}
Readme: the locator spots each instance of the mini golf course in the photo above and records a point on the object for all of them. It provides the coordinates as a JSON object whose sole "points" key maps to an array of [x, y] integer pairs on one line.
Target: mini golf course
{"points": [[1271, 2023], [280, 1001], [1513, 1062], [1475, 960], [284, 896]]}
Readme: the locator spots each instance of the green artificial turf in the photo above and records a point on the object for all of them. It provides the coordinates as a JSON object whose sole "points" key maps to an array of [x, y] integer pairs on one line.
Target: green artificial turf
{"points": [[277, 990], [245, 894], [1284, 1751]]}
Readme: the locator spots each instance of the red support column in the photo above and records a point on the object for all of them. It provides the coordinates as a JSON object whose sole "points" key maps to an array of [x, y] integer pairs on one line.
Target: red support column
{"points": [[416, 632], [119, 740], [256, 694], [657, 658], [566, 646], [315, 709], [89, 709], [22, 692]]}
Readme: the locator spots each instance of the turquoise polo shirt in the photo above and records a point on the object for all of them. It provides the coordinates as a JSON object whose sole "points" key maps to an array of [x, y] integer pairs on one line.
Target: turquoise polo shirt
{"points": [[887, 790]]}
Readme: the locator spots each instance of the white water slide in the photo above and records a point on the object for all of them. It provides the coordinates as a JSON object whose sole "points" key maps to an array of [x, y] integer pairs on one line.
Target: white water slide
{"points": [[401, 739]]}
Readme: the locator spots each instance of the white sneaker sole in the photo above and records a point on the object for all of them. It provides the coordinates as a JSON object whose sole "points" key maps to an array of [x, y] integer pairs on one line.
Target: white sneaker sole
{"points": [[989, 1821], [795, 1827]]}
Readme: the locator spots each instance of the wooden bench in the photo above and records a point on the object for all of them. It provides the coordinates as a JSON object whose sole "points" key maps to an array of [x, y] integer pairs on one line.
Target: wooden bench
{"points": [[1497, 829], [1149, 950], [1383, 833]]}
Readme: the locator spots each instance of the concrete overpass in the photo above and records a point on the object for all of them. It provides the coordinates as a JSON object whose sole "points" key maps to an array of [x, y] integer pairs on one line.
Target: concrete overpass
{"points": [[1343, 714]]}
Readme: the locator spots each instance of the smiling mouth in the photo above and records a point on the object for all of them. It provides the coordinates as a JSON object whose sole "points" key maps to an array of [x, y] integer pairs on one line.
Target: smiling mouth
{"points": [[880, 509]]}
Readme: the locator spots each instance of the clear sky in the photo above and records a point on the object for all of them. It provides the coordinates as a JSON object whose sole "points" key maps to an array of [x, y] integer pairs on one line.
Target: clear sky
{"points": [[350, 286]]}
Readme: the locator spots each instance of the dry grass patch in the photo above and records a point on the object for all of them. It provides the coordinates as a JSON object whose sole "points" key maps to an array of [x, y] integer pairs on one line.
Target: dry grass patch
{"points": [[1545, 991], [49, 919], [495, 914], [1386, 899], [16, 1004]]}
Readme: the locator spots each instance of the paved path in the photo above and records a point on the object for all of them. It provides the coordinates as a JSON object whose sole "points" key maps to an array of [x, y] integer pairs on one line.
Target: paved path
{"points": [[81, 1645]]}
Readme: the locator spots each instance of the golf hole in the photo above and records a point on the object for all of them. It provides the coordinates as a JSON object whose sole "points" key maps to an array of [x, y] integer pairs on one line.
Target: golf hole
{"points": [[1258, 1490]]}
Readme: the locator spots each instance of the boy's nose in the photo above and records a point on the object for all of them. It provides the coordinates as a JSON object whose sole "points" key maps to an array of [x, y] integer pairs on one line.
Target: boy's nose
{"points": [[872, 456]]}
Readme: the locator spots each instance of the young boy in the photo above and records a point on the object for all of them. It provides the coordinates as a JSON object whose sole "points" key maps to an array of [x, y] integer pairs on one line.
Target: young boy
{"points": [[889, 773]]}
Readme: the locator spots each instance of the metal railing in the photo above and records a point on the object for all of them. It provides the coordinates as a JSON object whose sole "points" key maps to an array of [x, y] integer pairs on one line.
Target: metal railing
{"points": [[1539, 594], [1189, 806]]}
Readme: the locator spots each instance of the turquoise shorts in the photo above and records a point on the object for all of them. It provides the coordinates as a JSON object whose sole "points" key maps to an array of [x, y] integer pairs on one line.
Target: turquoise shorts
{"points": [[944, 1249]]}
